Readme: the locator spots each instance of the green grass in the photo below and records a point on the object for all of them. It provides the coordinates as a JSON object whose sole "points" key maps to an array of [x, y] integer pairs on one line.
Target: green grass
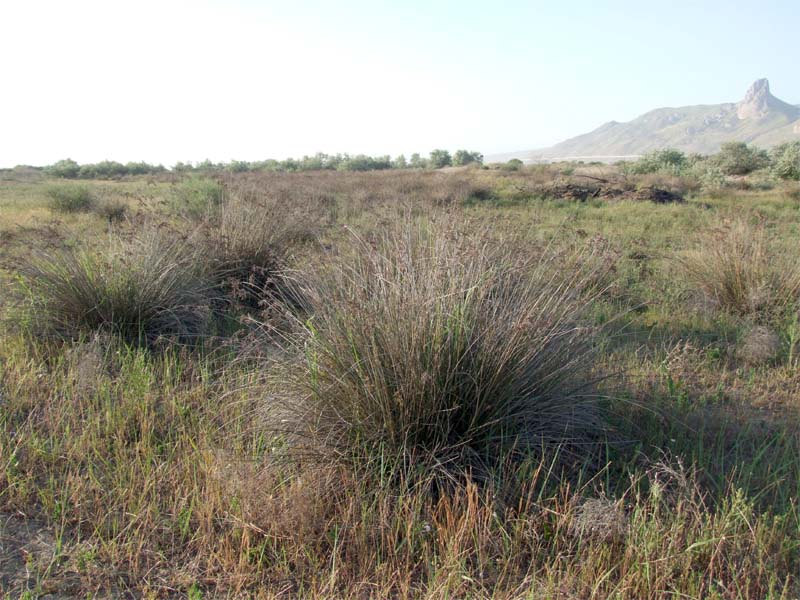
{"points": [[196, 197]]}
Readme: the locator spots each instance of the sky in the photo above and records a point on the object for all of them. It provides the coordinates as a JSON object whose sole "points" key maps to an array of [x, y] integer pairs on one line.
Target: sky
{"points": [[174, 80]]}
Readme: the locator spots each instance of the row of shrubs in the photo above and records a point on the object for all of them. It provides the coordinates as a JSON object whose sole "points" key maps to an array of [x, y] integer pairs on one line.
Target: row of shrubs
{"points": [[734, 158], [69, 169], [107, 169]]}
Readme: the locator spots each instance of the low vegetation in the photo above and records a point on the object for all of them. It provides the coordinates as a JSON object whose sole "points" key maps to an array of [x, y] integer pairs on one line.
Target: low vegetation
{"points": [[66, 198], [427, 353], [519, 381], [197, 197], [739, 268], [142, 290], [248, 245]]}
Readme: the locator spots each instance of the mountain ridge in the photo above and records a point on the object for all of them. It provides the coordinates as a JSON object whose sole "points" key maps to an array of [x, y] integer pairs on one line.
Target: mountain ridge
{"points": [[759, 118]]}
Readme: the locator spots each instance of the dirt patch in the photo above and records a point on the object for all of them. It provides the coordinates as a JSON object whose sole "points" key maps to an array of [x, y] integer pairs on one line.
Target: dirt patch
{"points": [[27, 549], [35, 563]]}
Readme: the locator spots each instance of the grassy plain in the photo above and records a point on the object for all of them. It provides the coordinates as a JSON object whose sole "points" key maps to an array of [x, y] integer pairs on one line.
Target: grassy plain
{"points": [[156, 470]]}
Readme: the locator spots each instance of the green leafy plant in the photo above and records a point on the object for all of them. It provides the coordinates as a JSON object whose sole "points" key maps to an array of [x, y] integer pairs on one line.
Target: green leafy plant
{"points": [[737, 158], [439, 159]]}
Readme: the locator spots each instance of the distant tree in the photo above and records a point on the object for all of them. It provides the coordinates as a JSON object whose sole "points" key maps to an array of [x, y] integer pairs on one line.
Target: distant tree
{"points": [[290, 165], [786, 160], [400, 162], [362, 162], [103, 170], [66, 168], [332, 162], [206, 165], [737, 158], [138, 168], [238, 166], [313, 163], [268, 165], [465, 157], [439, 159], [417, 162]]}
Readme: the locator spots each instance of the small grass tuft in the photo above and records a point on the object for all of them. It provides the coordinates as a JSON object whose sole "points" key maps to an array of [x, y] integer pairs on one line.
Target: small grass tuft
{"points": [[112, 211]]}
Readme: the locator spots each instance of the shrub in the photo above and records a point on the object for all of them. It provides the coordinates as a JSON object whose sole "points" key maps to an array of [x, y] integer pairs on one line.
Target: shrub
{"points": [[786, 160], [465, 157], [400, 162], [738, 271], [668, 161], [67, 168], [70, 198], [106, 169], [737, 158], [196, 197], [430, 353], [514, 164], [140, 290], [417, 162], [361, 162]]}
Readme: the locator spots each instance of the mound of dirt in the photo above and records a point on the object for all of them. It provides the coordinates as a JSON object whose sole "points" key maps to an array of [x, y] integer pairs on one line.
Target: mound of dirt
{"points": [[657, 195], [567, 190]]}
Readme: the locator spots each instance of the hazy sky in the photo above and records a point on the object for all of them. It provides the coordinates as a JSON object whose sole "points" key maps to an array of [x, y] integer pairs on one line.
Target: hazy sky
{"points": [[168, 80]]}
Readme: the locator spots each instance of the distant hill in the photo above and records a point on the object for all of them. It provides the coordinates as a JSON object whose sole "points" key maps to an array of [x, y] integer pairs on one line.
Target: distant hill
{"points": [[760, 118]]}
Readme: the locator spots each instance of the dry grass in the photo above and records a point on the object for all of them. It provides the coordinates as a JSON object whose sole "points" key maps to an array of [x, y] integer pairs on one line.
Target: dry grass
{"points": [[759, 346], [739, 271], [156, 488], [248, 246], [426, 351], [141, 290]]}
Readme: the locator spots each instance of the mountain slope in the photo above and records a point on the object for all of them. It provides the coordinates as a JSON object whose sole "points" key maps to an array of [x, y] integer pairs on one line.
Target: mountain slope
{"points": [[760, 118]]}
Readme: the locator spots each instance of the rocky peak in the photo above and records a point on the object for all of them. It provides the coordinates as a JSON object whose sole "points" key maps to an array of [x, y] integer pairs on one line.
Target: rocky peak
{"points": [[758, 102]]}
